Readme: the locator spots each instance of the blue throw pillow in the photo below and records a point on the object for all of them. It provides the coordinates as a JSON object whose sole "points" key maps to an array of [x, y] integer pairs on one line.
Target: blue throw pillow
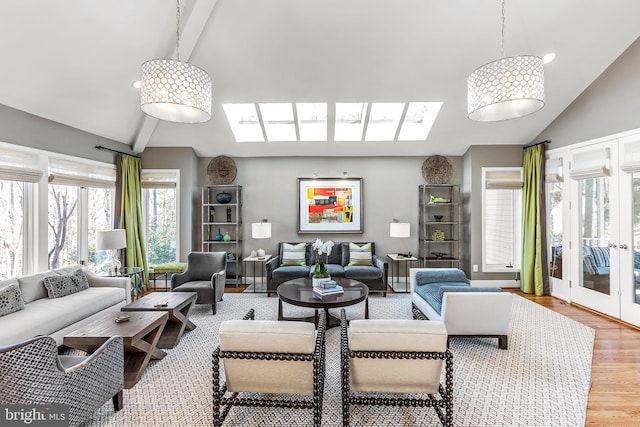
{"points": [[440, 275]]}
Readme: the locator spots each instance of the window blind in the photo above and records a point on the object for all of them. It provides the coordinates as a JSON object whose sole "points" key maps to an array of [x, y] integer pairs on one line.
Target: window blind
{"points": [[159, 179], [68, 172], [630, 153], [504, 179], [554, 170], [19, 166], [590, 164]]}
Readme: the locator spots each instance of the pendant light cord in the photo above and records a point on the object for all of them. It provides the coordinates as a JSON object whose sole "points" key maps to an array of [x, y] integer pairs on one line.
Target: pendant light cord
{"points": [[178, 28], [503, 19]]}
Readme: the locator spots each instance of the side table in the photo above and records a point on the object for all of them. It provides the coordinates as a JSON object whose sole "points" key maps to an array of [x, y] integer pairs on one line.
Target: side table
{"points": [[136, 276], [260, 261], [396, 260]]}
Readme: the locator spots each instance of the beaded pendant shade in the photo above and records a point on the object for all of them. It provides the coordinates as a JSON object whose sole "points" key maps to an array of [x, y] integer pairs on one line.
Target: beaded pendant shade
{"points": [[507, 88], [175, 91]]}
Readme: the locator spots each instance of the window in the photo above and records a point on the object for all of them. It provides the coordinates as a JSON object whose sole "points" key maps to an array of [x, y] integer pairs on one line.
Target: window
{"points": [[501, 218], [18, 172], [80, 204], [160, 192], [554, 180]]}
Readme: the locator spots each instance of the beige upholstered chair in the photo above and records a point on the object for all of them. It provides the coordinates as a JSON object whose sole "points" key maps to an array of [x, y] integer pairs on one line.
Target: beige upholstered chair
{"points": [[395, 356], [205, 274], [32, 372], [270, 357]]}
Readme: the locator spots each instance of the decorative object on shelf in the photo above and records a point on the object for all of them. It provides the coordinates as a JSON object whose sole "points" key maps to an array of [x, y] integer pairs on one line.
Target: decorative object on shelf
{"points": [[231, 256], [212, 214], [228, 214], [261, 230], [227, 237], [218, 236], [436, 199], [221, 170], [439, 255], [438, 218], [223, 197], [163, 96], [507, 88], [320, 271], [437, 235], [111, 241], [436, 170], [253, 254]]}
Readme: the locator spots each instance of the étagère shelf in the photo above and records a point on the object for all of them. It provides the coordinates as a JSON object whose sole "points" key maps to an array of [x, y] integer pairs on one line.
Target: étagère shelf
{"points": [[222, 226], [440, 244]]}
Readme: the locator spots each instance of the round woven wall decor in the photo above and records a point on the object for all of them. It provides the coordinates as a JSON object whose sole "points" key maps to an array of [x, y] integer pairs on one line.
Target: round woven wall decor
{"points": [[222, 170], [436, 170]]}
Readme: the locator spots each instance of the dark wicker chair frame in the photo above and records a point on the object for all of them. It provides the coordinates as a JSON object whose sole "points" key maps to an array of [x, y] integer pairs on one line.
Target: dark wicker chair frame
{"points": [[307, 402], [503, 340], [348, 398]]}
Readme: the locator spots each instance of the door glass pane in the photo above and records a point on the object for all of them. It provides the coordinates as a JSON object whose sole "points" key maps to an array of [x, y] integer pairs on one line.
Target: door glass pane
{"points": [[636, 235], [595, 234], [554, 201], [100, 218], [63, 226], [11, 228]]}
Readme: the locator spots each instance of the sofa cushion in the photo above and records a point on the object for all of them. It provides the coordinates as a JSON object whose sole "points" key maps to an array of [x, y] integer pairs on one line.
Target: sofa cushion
{"points": [[291, 272], [362, 272], [335, 270], [61, 285], [589, 264], [335, 257], [32, 286], [360, 254], [438, 275], [430, 292], [293, 254], [601, 256], [10, 299]]}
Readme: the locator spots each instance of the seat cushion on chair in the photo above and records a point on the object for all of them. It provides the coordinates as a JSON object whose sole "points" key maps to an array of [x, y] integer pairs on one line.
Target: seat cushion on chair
{"points": [[268, 336], [431, 292], [396, 375], [203, 288], [362, 272]]}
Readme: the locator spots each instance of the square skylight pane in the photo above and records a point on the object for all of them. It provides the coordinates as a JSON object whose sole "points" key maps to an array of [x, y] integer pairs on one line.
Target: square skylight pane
{"points": [[383, 121], [312, 121], [350, 121], [419, 120], [278, 121], [243, 119]]}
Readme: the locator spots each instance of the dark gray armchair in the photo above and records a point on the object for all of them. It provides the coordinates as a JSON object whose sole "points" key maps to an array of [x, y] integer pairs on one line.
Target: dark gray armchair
{"points": [[205, 274], [32, 372]]}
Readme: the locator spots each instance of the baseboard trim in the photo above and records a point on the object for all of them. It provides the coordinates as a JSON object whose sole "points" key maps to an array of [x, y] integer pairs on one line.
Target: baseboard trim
{"points": [[496, 283]]}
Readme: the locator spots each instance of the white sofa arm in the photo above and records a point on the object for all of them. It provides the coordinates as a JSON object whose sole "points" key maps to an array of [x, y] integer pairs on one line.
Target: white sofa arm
{"points": [[96, 281], [413, 271]]}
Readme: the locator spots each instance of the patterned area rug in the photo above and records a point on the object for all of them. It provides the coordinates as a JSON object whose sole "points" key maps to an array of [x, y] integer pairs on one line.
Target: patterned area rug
{"points": [[541, 380]]}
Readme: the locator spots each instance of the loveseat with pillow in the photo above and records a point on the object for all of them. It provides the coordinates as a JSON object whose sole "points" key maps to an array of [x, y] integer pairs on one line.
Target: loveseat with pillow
{"points": [[445, 294], [352, 260], [57, 302]]}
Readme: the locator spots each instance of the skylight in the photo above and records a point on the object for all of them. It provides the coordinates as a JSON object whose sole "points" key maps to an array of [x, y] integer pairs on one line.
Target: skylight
{"points": [[418, 120], [312, 121], [354, 121], [350, 121], [383, 121], [244, 122], [278, 121]]}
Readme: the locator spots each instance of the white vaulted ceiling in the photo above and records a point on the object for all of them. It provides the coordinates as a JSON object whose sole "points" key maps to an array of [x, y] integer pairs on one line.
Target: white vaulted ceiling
{"points": [[73, 62]]}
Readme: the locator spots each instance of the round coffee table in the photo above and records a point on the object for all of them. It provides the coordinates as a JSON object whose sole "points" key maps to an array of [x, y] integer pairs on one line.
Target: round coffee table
{"points": [[300, 292]]}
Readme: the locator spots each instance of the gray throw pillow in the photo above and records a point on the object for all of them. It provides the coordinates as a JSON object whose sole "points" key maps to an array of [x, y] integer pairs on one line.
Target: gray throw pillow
{"points": [[10, 299], [59, 285]]}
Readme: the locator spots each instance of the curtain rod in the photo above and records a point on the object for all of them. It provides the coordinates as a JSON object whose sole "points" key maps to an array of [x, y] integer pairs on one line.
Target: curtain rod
{"points": [[536, 143], [100, 147]]}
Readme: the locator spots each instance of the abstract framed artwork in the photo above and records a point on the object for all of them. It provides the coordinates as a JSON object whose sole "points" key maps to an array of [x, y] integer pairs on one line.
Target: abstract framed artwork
{"points": [[330, 205]]}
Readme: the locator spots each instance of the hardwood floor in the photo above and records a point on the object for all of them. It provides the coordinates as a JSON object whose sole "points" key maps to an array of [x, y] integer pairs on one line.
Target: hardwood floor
{"points": [[614, 398]]}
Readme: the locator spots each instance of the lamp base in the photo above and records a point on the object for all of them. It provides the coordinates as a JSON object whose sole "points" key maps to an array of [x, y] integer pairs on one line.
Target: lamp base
{"points": [[111, 265]]}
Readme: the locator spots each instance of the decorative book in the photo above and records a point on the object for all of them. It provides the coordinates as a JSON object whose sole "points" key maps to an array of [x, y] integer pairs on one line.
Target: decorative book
{"points": [[333, 290]]}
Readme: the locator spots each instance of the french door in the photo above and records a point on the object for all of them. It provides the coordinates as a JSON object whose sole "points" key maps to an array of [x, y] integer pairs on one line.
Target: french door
{"points": [[605, 228]]}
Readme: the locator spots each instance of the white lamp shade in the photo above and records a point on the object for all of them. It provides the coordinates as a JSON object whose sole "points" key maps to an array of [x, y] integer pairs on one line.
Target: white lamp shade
{"points": [[400, 229], [261, 230], [111, 239]]}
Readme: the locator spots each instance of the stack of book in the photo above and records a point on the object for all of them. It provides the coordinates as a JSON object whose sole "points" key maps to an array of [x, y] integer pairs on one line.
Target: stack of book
{"points": [[329, 287]]}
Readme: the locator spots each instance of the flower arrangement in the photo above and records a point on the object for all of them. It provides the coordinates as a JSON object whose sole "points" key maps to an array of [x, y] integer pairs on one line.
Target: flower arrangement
{"points": [[321, 248]]}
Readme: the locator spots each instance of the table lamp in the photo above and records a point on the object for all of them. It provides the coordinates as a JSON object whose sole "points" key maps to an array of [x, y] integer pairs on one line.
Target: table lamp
{"points": [[111, 241], [400, 230], [261, 230]]}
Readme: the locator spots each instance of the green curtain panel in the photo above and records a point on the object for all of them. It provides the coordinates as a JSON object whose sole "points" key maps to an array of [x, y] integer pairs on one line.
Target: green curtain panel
{"points": [[534, 276], [131, 215]]}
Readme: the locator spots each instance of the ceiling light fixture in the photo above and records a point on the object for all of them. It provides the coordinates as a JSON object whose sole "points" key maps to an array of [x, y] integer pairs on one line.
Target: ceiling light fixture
{"points": [[175, 91], [507, 88]]}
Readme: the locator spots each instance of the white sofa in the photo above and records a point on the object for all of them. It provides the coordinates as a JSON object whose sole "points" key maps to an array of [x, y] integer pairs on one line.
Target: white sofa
{"points": [[58, 316], [470, 312]]}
